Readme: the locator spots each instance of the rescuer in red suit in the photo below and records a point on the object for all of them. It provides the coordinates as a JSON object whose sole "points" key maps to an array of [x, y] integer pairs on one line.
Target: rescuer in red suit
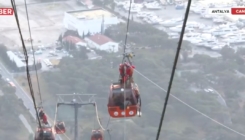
{"points": [[43, 117], [129, 72]]}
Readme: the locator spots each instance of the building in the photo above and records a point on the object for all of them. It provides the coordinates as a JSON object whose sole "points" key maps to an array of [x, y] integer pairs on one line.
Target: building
{"points": [[75, 41], [91, 20], [19, 62], [102, 42]]}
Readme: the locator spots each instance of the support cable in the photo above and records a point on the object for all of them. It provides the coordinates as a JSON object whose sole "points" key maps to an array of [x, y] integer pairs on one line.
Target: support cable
{"points": [[174, 68], [191, 107], [26, 60], [33, 52], [126, 36]]}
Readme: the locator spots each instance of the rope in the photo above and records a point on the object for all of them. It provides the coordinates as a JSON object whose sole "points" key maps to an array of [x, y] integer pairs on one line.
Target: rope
{"points": [[173, 69], [191, 107], [55, 117], [26, 59], [98, 118], [34, 59]]}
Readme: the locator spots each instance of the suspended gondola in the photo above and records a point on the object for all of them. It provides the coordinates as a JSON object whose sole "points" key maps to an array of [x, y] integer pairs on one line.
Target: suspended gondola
{"points": [[59, 127], [44, 133], [97, 135], [124, 98]]}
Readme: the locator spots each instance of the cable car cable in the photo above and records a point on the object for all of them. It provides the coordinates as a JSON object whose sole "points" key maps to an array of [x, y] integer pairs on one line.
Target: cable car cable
{"points": [[26, 59], [33, 52], [124, 51], [191, 107], [126, 36], [107, 125], [174, 68]]}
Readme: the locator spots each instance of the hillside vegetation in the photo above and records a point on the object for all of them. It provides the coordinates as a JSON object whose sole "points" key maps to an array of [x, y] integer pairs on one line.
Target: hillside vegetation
{"points": [[193, 75]]}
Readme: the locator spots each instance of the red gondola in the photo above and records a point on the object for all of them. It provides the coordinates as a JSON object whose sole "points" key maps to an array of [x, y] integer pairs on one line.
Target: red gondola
{"points": [[44, 133], [124, 102], [97, 135], [60, 127]]}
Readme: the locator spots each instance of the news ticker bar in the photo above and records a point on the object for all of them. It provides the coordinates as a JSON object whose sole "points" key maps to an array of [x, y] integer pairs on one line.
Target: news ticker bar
{"points": [[6, 11], [228, 11], [218, 11]]}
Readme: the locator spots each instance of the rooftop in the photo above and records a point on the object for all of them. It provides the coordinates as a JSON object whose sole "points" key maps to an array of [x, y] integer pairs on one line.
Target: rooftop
{"points": [[100, 39], [17, 60], [72, 39], [91, 13]]}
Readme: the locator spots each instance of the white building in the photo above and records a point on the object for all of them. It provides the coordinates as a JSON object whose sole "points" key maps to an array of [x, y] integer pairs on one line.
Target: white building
{"points": [[19, 62], [89, 20], [102, 42]]}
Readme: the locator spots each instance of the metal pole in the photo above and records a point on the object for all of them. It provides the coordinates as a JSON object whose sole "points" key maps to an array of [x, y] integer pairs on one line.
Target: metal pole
{"points": [[76, 106]]}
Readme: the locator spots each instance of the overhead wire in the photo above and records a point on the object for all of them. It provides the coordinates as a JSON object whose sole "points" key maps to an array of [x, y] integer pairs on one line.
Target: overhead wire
{"points": [[107, 125], [124, 55], [33, 52], [174, 68], [191, 107], [26, 60], [127, 28]]}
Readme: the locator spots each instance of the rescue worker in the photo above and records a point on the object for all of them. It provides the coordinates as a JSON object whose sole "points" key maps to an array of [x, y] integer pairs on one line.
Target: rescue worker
{"points": [[136, 92], [43, 117], [129, 72]]}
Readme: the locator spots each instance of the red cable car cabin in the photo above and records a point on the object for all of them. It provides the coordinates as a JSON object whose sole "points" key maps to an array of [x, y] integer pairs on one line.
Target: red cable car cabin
{"points": [[60, 128], [97, 135], [120, 106], [44, 133]]}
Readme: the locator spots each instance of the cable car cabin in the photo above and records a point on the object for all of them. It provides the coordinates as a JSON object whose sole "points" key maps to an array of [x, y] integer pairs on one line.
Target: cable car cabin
{"points": [[97, 135], [60, 127], [123, 106], [44, 133]]}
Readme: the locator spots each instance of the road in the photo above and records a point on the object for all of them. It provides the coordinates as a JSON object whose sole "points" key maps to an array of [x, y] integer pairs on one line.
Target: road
{"points": [[26, 124], [20, 93]]}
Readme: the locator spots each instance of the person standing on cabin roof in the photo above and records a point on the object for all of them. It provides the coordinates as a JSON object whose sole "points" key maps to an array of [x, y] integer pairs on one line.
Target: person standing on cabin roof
{"points": [[43, 117], [129, 72]]}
